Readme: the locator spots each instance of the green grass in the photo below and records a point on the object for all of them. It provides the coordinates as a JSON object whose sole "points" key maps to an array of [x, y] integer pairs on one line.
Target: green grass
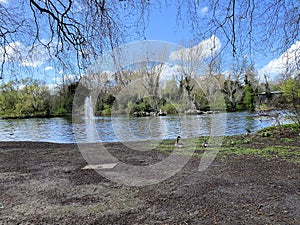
{"points": [[293, 127], [289, 153], [264, 144]]}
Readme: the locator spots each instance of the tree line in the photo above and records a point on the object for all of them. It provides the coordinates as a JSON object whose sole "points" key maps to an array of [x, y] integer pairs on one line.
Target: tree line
{"points": [[139, 92]]}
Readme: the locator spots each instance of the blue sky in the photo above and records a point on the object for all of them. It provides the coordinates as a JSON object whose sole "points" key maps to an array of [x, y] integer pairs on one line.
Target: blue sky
{"points": [[163, 26]]}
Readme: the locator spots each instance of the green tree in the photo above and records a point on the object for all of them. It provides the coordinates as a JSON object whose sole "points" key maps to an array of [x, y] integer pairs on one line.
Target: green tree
{"points": [[291, 95], [64, 99], [32, 99], [8, 98], [25, 98], [249, 95]]}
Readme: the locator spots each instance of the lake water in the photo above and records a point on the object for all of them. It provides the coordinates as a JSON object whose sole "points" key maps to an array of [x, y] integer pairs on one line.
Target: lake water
{"points": [[127, 128]]}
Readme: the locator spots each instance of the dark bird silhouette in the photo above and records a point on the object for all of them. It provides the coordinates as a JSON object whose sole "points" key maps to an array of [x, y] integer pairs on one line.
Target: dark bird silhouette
{"points": [[177, 144], [248, 132], [205, 144]]}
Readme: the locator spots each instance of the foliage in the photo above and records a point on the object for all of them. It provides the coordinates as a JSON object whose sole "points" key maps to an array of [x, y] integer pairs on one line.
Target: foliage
{"points": [[30, 98], [107, 110], [270, 142], [249, 93], [169, 108], [59, 111], [63, 103], [293, 128], [249, 98], [24, 99], [254, 145], [104, 104], [200, 101], [142, 105], [291, 95], [266, 134]]}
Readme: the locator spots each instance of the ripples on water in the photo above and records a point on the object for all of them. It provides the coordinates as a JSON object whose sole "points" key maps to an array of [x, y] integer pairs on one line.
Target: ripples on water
{"points": [[124, 128]]}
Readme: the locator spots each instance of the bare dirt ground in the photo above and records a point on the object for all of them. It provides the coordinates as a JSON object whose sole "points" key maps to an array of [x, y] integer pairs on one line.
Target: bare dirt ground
{"points": [[43, 183]]}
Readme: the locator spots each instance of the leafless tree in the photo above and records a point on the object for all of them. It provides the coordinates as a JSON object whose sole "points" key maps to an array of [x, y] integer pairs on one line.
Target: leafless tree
{"points": [[84, 28], [190, 61], [151, 78], [88, 27], [245, 24], [233, 91]]}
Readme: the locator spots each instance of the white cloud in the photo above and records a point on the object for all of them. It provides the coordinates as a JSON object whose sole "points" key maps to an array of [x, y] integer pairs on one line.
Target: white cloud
{"points": [[288, 60], [52, 88], [169, 71], [203, 50], [31, 56], [204, 10], [11, 47], [3, 1], [32, 63], [48, 68], [65, 78]]}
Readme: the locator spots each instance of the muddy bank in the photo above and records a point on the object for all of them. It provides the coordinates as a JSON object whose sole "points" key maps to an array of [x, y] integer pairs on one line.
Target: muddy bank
{"points": [[43, 183]]}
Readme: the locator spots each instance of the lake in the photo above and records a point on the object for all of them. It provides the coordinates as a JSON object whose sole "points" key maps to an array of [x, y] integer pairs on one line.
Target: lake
{"points": [[128, 128]]}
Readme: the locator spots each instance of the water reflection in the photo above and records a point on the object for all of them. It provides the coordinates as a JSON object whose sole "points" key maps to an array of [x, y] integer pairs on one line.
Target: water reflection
{"points": [[52, 129], [127, 128], [154, 128]]}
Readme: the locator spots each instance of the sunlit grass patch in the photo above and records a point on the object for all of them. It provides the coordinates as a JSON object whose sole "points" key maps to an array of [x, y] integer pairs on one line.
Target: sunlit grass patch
{"points": [[268, 146], [292, 127], [189, 145], [287, 139], [290, 153]]}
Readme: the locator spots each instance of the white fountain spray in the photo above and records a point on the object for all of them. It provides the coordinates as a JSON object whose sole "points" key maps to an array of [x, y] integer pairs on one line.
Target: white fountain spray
{"points": [[90, 125], [88, 108]]}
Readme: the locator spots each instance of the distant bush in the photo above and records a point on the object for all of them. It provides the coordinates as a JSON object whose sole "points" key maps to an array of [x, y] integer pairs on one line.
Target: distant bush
{"points": [[60, 111], [169, 108], [107, 110]]}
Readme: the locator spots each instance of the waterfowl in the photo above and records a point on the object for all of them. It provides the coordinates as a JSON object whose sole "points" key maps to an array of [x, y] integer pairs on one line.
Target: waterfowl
{"points": [[205, 144], [177, 144], [248, 132], [246, 140]]}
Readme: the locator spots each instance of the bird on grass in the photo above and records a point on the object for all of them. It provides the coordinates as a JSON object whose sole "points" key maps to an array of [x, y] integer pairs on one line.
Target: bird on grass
{"points": [[177, 144], [246, 140], [205, 144], [248, 132]]}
